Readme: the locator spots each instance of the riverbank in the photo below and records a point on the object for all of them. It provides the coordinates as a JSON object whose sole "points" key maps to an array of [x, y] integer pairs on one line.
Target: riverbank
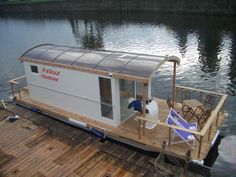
{"points": [[217, 7]]}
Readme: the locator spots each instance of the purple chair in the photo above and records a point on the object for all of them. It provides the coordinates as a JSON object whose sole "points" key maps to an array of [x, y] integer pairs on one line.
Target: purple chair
{"points": [[175, 119]]}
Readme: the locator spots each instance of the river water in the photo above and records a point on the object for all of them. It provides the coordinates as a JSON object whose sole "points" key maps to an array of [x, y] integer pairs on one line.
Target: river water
{"points": [[206, 46]]}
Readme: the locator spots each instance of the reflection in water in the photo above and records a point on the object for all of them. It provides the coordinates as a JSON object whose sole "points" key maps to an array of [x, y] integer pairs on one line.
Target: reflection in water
{"points": [[232, 67], [90, 37], [182, 36], [208, 46]]}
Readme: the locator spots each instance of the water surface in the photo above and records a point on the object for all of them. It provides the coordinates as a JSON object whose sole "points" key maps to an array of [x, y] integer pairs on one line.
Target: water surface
{"points": [[206, 46]]}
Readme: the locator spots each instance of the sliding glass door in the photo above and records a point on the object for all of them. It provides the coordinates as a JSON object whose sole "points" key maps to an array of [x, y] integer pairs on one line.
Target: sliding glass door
{"points": [[126, 92], [106, 97]]}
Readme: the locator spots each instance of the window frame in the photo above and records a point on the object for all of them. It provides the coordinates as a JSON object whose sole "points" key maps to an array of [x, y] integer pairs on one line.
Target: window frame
{"points": [[34, 69]]}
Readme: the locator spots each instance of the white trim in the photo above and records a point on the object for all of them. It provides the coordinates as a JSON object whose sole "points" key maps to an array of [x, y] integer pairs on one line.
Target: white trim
{"points": [[77, 122], [150, 88], [201, 162], [135, 91], [34, 66], [214, 139], [3, 104]]}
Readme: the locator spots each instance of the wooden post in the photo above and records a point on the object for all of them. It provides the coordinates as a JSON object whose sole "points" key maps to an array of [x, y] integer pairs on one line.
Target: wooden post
{"points": [[144, 124], [174, 82], [222, 108], [200, 96], [139, 135], [209, 135], [187, 161], [200, 146], [135, 96], [4, 106], [163, 146], [169, 142], [12, 89], [217, 119], [18, 90], [144, 99], [144, 105]]}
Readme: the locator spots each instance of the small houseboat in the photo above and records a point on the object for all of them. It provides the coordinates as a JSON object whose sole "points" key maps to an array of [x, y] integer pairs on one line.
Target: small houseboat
{"points": [[109, 93]]}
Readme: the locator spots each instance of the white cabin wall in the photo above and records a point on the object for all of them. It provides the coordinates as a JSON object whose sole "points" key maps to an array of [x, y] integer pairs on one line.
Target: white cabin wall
{"points": [[75, 91], [116, 100], [150, 88]]}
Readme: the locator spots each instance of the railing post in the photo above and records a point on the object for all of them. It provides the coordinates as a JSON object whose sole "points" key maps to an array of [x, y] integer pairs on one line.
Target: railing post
{"points": [[200, 146], [169, 141], [3, 104], [209, 135], [177, 91], [217, 119], [18, 90], [187, 161], [218, 114], [200, 96], [12, 89], [144, 124], [139, 135], [174, 83]]}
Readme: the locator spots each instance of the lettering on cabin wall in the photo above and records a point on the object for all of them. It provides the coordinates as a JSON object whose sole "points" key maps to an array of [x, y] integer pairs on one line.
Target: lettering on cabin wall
{"points": [[50, 74]]}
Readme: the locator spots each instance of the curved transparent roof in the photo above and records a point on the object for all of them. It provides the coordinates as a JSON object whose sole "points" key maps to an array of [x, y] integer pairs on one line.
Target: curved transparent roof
{"points": [[136, 65]]}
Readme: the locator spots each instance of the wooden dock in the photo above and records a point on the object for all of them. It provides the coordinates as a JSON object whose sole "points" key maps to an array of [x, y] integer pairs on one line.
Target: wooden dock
{"points": [[39, 146]]}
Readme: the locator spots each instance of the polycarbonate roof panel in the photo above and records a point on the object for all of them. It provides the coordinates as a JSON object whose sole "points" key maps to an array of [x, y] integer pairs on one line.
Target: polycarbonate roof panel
{"points": [[49, 55], [149, 58], [35, 52], [91, 59], [69, 57], [62, 48], [115, 62], [136, 65], [140, 68]]}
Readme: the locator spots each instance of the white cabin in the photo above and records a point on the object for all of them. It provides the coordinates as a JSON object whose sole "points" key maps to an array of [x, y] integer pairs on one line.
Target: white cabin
{"points": [[94, 84]]}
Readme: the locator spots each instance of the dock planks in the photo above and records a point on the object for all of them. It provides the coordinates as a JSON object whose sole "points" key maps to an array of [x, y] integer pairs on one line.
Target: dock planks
{"points": [[38, 146]]}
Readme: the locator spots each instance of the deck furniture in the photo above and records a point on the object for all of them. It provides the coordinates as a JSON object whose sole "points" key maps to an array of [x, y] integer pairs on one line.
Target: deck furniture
{"points": [[175, 119], [153, 114], [185, 95], [209, 102], [191, 105], [205, 110], [170, 105]]}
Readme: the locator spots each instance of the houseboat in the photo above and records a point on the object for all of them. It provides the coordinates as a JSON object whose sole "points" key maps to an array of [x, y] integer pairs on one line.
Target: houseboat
{"points": [[109, 93]]}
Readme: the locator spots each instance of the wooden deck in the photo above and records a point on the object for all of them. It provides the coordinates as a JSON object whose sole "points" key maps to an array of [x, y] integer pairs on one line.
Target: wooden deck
{"points": [[38, 146], [152, 139]]}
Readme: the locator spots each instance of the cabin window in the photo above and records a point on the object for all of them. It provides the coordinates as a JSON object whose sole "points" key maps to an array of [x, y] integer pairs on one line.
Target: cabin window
{"points": [[106, 97], [34, 69]]}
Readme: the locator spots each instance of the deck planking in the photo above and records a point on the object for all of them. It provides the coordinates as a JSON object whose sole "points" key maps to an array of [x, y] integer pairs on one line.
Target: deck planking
{"points": [[38, 146]]}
